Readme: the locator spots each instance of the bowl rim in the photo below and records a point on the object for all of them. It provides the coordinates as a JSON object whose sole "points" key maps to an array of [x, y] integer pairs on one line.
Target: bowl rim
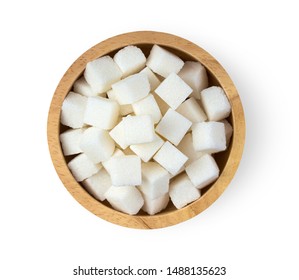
{"points": [[159, 220]]}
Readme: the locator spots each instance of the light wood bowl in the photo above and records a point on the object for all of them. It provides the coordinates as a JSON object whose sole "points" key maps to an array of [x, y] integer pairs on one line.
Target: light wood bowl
{"points": [[228, 161]]}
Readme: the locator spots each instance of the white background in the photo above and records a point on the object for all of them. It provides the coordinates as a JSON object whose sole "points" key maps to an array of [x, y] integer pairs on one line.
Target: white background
{"points": [[252, 229]]}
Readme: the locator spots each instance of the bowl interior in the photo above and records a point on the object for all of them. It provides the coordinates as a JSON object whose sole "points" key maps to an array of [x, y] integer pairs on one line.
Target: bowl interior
{"points": [[221, 158]]}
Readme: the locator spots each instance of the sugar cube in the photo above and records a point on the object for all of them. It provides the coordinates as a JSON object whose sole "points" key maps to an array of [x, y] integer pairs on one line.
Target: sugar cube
{"points": [[215, 103], [125, 171], [97, 144], [173, 126], [82, 87], [182, 169], [130, 60], [228, 131], [195, 75], [147, 150], [173, 90], [82, 167], [191, 110], [155, 180], [131, 89], [170, 158], [101, 73], [186, 147], [72, 110], [203, 171], [156, 205], [126, 199], [209, 137], [107, 163], [118, 135], [98, 184], [148, 106], [70, 141], [124, 110], [101, 112], [182, 191], [163, 62], [138, 129], [152, 78]]}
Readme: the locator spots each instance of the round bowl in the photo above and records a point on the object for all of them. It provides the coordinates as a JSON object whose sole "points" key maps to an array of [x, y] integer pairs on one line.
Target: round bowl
{"points": [[227, 161]]}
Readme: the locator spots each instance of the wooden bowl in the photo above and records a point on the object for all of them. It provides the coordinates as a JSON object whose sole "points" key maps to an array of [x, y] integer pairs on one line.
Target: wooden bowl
{"points": [[228, 161]]}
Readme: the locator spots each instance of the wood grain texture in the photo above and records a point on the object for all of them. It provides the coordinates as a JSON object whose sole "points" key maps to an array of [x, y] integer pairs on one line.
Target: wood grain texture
{"points": [[228, 160]]}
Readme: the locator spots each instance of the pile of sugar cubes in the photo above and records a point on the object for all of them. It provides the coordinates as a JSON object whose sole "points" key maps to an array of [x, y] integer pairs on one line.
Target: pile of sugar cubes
{"points": [[142, 131]]}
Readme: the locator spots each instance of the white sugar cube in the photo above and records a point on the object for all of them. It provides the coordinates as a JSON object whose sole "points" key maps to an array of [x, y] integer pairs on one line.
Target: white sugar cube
{"points": [[97, 144], [228, 131], [82, 167], [195, 75], [148, 106], [173, 90], [126, 199], [124, 110], [107, 163], [101, 112], [191, 110], [70, 141], [215, 103], [146, 151], [163, 62], [156, 205], [82, 87], [130, 60], [182, 191], [125, 171], [173, 126], [203, 171], [155, 180], [161, 103], [98, 184], [170, 158], [209, 137], [131, 89], [138, 129], [186, 147], [118, 135], [182, 169], [152, 78], [101, 73], [73, 109]]}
